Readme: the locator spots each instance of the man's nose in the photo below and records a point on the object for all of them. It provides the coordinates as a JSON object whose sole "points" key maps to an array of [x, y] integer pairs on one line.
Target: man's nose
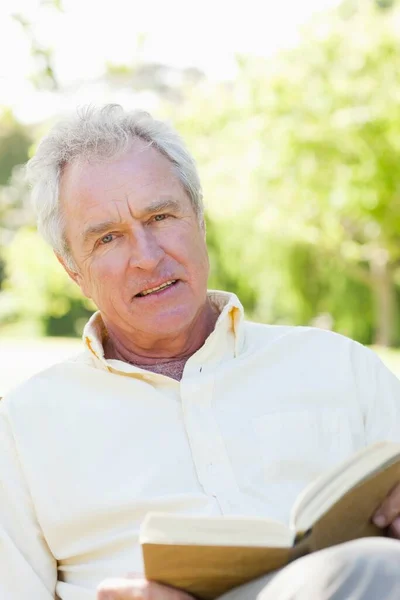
{"points": [[146, 253]]}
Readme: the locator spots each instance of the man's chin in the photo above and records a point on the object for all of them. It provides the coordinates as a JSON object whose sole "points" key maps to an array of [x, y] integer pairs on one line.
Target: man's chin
{"points": [[164, 327]]}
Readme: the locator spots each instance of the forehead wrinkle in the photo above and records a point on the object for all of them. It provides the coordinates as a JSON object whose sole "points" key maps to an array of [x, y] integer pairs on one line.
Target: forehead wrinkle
{"points": [[147, 179], [118, 211]]}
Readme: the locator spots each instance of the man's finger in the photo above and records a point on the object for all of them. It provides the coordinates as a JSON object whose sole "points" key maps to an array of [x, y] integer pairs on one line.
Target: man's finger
{"points": [[394, 530], [389, 509], [121, 589], [137, 589]]}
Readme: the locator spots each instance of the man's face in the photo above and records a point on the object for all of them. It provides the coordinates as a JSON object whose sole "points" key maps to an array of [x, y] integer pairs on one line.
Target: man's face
{"points": [[131, 228]]}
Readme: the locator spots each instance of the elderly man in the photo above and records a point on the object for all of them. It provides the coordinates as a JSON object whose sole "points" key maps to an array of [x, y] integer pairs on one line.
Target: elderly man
{"points": [[176, 403]]}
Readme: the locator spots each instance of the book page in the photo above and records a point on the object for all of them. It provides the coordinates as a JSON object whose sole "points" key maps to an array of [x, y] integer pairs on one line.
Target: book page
{"points": [[350, 517], [322, 494], [164, 528]]}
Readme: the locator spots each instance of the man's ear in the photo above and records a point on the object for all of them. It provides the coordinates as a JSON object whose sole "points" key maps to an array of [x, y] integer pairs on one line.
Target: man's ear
{"points": [[203, 226], [74, 275]]}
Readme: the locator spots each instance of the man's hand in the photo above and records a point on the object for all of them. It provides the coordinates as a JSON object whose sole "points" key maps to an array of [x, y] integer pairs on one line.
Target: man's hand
{"points": [[388, 514], [137, 588]]}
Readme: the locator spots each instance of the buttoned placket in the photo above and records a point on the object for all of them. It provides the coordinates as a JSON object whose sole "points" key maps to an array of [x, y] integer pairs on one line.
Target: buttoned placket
{"points": [[209, 454], [196, 393]]}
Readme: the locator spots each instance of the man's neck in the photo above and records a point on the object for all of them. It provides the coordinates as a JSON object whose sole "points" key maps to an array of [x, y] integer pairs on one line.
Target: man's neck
{"points": [[173, 368], [165, 358]]}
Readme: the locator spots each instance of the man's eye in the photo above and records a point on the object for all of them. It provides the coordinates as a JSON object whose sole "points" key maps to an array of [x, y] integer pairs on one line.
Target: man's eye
{"points": [[160, 217], [106, 239]]}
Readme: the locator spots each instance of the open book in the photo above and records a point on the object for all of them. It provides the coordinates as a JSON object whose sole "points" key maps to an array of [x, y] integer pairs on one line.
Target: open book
{"points": [[207, 556]]}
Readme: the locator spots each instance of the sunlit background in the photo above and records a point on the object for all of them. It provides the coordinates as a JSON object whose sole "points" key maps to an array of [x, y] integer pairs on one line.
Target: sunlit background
{"points": [[292, 110]]}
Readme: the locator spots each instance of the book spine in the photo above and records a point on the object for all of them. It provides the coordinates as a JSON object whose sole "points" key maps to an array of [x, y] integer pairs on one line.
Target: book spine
{"points": [[301, 545]]}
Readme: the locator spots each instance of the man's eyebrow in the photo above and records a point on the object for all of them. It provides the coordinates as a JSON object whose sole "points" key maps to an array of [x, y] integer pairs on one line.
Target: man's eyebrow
{"points": [[160, 205], [98, 229]]}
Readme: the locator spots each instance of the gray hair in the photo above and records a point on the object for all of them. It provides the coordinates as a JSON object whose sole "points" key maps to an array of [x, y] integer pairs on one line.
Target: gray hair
{"points": [[101, 134]]}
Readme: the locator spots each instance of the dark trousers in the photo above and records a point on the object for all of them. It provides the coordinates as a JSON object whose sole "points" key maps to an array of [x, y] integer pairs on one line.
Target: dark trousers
{"points": [[366, 569]]}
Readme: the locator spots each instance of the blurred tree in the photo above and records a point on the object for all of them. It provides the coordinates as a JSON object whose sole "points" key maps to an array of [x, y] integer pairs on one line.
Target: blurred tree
{"points": [[15, 141], [37, 292], [384, 4], [165, 82], [15, 210], [335, 109], [44, 76]]}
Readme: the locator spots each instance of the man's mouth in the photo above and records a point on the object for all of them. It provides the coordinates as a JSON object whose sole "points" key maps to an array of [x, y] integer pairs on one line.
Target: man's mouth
{"points": [[156, 289]]}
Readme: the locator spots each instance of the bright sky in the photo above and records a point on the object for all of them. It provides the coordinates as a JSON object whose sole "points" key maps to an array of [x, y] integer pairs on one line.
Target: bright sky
{"points": [[89, 33]]}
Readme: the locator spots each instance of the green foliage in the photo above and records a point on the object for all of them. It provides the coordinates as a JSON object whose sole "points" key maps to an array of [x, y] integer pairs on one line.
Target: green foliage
{"points": [[15, 141], [37, 290], [335, 106], [44, 76], [227, 264], [385, 4]]}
